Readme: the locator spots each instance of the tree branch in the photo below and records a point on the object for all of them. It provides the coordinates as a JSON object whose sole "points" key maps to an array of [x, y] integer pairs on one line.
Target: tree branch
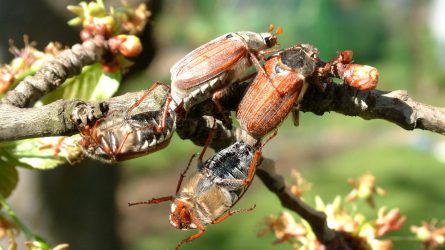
{"points": [[54, 119], [67, 64], [275, 183], [394, 106], [332, 239]]}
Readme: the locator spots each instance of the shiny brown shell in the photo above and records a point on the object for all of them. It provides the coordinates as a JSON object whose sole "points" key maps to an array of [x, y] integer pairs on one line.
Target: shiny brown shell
{"points": [[126, 134], [266, 104], [208, 61]]}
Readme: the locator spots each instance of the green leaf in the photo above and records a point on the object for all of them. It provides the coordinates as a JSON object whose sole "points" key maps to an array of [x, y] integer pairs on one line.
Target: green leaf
{"points": [[8, 175], [39, 153], [92, 84], [107, 86]]}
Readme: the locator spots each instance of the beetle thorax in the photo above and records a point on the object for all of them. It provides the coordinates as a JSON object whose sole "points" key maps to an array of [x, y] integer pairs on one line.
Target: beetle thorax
{"points": [[257, 41], [300, 59]]}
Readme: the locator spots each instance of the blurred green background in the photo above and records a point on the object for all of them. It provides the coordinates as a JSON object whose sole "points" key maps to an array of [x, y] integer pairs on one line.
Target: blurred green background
{"points": [[400, 38]]}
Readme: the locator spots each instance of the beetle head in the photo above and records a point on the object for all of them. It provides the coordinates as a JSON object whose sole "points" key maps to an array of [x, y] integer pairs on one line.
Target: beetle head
{"points": [[180, 215], [260, 41], [269, 38]]}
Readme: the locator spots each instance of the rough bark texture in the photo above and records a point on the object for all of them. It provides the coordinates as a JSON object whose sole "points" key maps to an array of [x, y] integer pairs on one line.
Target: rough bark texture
{"points": [[332, 239], [394, 106], [67, 64], [275, 183]]}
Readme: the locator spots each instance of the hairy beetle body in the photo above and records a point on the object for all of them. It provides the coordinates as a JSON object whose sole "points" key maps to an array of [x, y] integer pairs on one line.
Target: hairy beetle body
{"points": [[271, 97], [130, 132], [217, 184], [216, 64], [208, 194]]}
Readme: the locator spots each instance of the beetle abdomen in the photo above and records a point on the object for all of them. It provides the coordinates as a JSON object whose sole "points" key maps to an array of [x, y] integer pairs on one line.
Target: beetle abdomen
{"points": [[232, 162]]}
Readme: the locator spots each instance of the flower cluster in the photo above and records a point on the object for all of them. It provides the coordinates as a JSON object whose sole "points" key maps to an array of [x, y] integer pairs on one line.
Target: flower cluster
{"points": [[120, 25], [26, 61], [364, 188], [356, 229], [432, 235]]}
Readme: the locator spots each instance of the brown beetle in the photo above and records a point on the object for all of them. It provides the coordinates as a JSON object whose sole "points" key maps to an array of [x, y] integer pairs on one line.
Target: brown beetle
{"points": [[130, 132], [208, 194], [267, 102], [208, 70]]}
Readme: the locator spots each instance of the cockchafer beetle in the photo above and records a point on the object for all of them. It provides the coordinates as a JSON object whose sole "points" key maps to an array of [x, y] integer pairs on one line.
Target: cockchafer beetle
{"points": [[362, 77], [208, 70], [208, 194], [130, 132], [267, 102]]}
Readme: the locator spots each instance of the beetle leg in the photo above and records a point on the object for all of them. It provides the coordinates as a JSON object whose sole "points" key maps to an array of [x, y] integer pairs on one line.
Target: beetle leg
{"points": [[194, 236], [152, 201], [96, 124], [105, 146], [144, 96], [232, 184], [217, 95], [296, 116], [160, 128], [230, 213], [260, 68], [201, 155], [121, 145], [261, 53], [248, 180], [208, 140], [254, 59], [255, 159]]}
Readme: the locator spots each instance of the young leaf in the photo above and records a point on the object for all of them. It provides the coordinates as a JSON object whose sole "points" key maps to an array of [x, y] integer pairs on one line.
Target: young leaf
{"points": [[40, 153], [8, 175], [92, 84], [33, 153]]}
